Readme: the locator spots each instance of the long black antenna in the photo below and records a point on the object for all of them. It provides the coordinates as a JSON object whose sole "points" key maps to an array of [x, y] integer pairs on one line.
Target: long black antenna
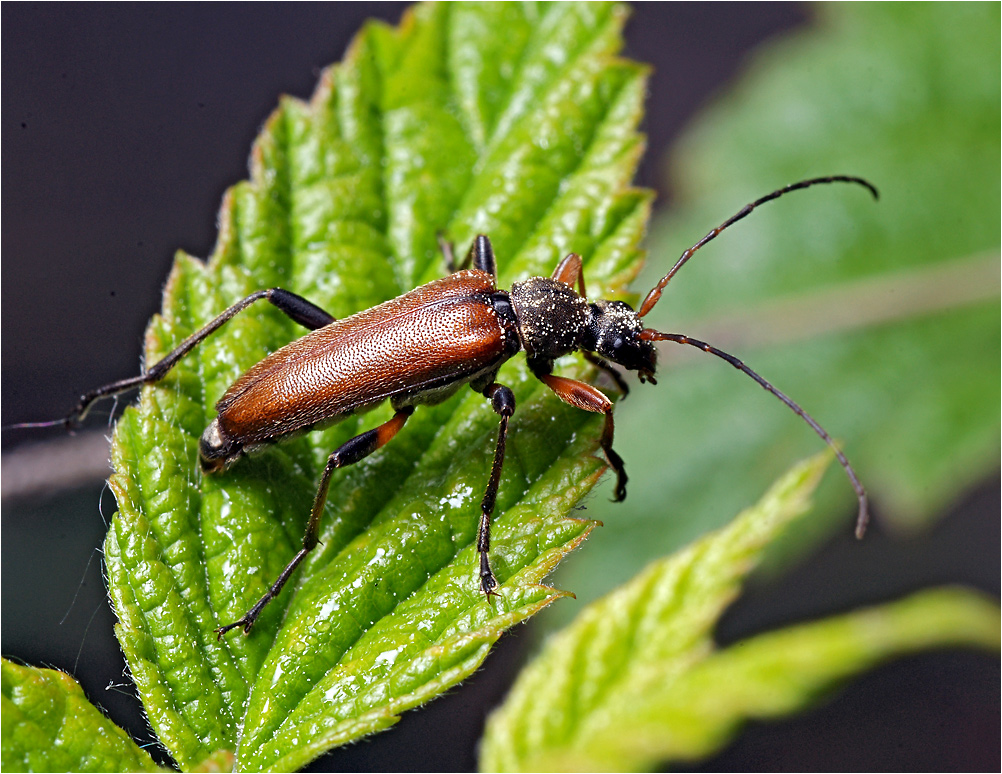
{"points": [[655, 295], [649, 334]]}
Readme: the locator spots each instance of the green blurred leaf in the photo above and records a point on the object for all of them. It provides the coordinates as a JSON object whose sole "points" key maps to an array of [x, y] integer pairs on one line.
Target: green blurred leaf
{"points": [[636, 680], [49, 725], [518, 121], [880, 319]]}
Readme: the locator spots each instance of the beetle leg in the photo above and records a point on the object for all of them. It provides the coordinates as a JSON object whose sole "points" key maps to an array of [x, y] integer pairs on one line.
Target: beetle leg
{"points": [[503, 403], [295, 307], [349, 453], [584, 396], [604, 365], [482, 255], [569, 272], [449, 254], [299, 310]]}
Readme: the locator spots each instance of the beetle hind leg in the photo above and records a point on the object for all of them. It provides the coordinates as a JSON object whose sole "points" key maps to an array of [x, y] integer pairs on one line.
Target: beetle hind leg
{"points": [[295, 307], [349, 453]]}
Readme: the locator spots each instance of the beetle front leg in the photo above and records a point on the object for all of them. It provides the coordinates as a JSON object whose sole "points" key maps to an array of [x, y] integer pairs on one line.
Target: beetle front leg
{"points": [[503, 403], [349, 453], [583, 396], [604, 365]]}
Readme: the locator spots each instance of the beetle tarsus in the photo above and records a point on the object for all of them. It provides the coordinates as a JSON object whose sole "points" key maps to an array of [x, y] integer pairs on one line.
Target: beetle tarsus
{"points": [[488, 583], [250, 617], [616, 463], [242, 623]]}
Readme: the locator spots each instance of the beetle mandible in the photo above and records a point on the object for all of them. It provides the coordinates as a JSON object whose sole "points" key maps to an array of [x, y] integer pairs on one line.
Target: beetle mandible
{"points": [[421, 348]]}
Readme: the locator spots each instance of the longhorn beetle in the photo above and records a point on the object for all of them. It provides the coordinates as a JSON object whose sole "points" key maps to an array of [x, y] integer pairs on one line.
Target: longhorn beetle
{"points": [[420, 348]]}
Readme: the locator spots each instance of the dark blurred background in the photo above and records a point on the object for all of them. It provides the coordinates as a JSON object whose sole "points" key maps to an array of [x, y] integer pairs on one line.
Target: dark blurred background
{"points": [[123, 126]]}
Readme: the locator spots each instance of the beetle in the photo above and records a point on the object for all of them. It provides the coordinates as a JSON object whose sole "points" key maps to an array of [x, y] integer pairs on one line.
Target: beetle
{"points": [[420, 349]]}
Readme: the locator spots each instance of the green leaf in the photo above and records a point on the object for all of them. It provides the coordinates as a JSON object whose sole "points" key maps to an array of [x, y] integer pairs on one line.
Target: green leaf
{"points": [[636, 680], [879, 318], [518, 121], [49, 725]]}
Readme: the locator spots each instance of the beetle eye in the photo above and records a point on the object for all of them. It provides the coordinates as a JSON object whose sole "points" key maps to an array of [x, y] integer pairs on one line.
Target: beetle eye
{"points": [[617, 342]]}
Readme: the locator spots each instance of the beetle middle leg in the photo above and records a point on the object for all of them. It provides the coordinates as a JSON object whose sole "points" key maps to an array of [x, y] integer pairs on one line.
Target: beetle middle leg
{"points": [[296, 307], [583, 396], [503, 403], [480, 255], [348, 453]]}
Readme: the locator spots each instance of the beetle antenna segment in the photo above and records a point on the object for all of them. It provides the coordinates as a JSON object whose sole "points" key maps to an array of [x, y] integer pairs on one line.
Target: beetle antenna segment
{"points": [[655, 295], [649, 334]]}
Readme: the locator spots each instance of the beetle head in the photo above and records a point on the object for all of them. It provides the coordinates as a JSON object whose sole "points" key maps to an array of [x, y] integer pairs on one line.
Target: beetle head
{"points": [[615, 334]]}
